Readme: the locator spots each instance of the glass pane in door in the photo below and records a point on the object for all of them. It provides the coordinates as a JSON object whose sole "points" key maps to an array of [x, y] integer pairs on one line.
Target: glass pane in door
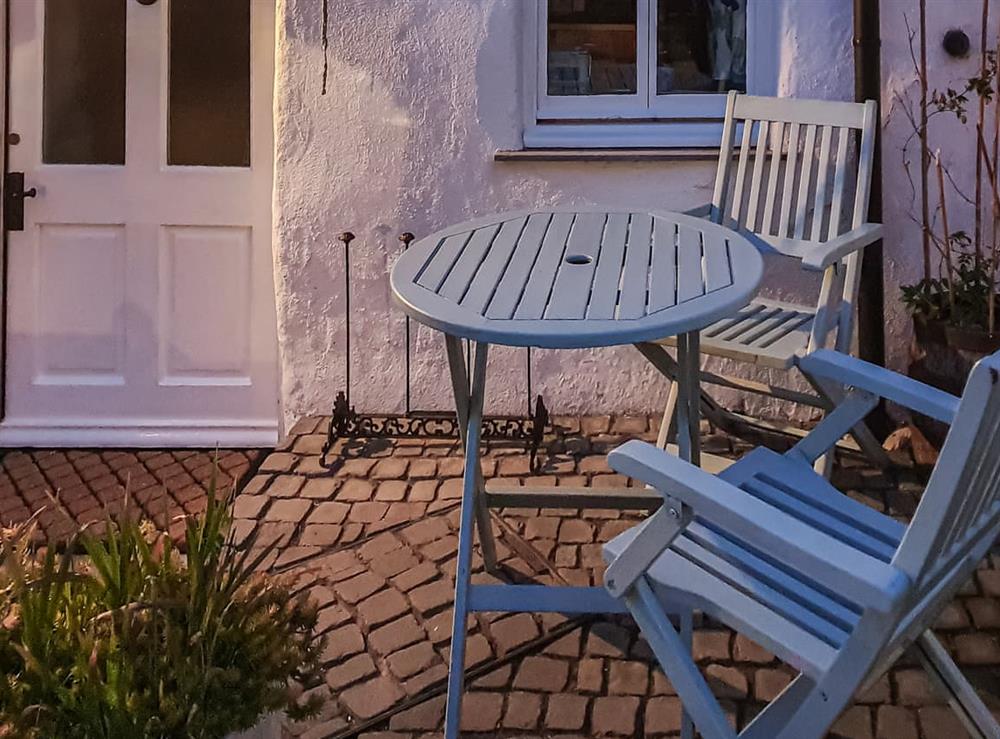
{"points": [[701, 46], [592, 47], [83, 88], [209, 104]]}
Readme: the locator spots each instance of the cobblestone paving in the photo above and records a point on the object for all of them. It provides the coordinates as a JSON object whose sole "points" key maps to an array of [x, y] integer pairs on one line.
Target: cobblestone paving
{"points": [[89, 484], [374, 541]]}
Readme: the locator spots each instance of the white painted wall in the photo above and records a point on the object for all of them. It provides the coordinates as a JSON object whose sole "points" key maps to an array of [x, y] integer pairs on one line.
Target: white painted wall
{"points": [[421, 93], [903, 250]]}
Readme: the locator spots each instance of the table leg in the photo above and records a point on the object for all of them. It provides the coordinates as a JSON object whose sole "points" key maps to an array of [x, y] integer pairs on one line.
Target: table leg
{"points": [[470, 492], [686, 374], [690, 360], [460, 387]]}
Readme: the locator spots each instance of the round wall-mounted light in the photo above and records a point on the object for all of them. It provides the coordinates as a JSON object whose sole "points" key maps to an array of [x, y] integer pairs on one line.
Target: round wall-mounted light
{"points": [[956, 43]]}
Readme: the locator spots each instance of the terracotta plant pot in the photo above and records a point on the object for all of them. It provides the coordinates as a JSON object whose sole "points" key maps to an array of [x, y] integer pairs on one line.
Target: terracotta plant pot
{"points": [[946, 356]]}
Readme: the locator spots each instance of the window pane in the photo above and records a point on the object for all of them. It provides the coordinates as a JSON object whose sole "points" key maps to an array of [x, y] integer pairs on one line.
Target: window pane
{"points": [[83, 98], [592, 47], [209, 116], [701, 46]]}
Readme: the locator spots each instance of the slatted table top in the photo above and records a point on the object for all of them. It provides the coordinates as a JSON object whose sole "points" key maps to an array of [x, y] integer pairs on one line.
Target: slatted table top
{"points": [[572, 279]]}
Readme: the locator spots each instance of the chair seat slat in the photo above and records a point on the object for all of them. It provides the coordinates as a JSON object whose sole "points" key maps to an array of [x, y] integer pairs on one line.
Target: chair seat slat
{"points": [[739, 576], [678, 579], [804, 594]]}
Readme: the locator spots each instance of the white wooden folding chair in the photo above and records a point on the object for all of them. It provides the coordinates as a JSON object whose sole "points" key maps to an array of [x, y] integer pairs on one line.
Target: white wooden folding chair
{"points": [[797, 175], [832, 587]]}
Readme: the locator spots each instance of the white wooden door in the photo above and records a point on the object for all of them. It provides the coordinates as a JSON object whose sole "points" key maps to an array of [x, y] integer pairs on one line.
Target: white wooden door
{"points": [[140, 296]]}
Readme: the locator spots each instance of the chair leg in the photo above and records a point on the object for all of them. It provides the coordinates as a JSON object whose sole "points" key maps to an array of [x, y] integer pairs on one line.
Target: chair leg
{"points": [[769, 722], [668, 415], [669, 368], [677, 663], [687, 638], [956, 689], [862, 434]]}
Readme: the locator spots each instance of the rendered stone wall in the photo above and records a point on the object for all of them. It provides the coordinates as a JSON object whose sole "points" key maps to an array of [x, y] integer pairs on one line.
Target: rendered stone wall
{"points": [[419, 96]]}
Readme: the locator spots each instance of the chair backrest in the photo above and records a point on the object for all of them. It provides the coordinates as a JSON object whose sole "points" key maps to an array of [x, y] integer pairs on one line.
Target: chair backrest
{"points": [[788, 173], [787, 168], [958, 516]]}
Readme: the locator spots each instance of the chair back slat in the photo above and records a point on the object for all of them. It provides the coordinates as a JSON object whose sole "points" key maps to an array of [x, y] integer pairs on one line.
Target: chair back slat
{"points": [[760, 158], [820, 202], [805, 181], [840, 175], [959, 512], [774, 167], [725, 161], [741, 172], [791, 170]]}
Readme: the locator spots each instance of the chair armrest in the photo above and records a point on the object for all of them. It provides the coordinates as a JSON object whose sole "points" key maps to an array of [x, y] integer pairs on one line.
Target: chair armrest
{"points": [[820, 557], [832, 251], [846, 370]]}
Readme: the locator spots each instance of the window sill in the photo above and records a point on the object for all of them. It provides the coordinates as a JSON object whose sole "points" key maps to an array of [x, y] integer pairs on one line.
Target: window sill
{"points": [[629, 135], [707, 154]]}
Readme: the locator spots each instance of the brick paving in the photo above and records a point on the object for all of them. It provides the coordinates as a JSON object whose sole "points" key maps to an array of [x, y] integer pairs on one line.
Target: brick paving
{"points": [[89, 484], [373, 540]]}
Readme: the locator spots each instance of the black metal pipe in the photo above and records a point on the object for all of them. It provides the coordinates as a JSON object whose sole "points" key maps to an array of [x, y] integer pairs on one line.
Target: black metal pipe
{"points": [[871, 296]]}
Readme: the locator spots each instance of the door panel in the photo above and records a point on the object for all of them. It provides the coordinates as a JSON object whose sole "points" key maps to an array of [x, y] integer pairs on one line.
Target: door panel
{"points": [[140, 293], [202, 267], [79, 293]]}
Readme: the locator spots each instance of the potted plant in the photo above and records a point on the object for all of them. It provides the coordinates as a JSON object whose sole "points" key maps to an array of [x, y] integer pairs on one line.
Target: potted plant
{"points": [[122, 637], [954, 304]]}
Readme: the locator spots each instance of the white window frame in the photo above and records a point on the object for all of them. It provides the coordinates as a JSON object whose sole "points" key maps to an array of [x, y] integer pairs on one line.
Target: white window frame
{"points": [[645, 119]]}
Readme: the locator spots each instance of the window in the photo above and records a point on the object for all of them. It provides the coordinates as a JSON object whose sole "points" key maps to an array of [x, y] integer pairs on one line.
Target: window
{"points": [[641, 73]]}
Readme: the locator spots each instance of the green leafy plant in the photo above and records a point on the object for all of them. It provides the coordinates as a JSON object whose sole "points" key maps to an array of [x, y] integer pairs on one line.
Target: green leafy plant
{"points": [[960, 301], [123, 637]]}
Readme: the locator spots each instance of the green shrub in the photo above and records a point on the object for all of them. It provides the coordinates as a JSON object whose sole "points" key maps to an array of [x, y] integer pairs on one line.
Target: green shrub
{"points": [[131, 639]]}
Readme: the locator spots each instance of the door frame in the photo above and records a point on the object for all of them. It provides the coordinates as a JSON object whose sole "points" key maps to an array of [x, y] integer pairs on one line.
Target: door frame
{"points": [[159, 433], [4, 105]]}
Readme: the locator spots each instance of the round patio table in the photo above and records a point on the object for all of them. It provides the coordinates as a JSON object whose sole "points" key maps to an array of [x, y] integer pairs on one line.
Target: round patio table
{"points": [[565, 279]]}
